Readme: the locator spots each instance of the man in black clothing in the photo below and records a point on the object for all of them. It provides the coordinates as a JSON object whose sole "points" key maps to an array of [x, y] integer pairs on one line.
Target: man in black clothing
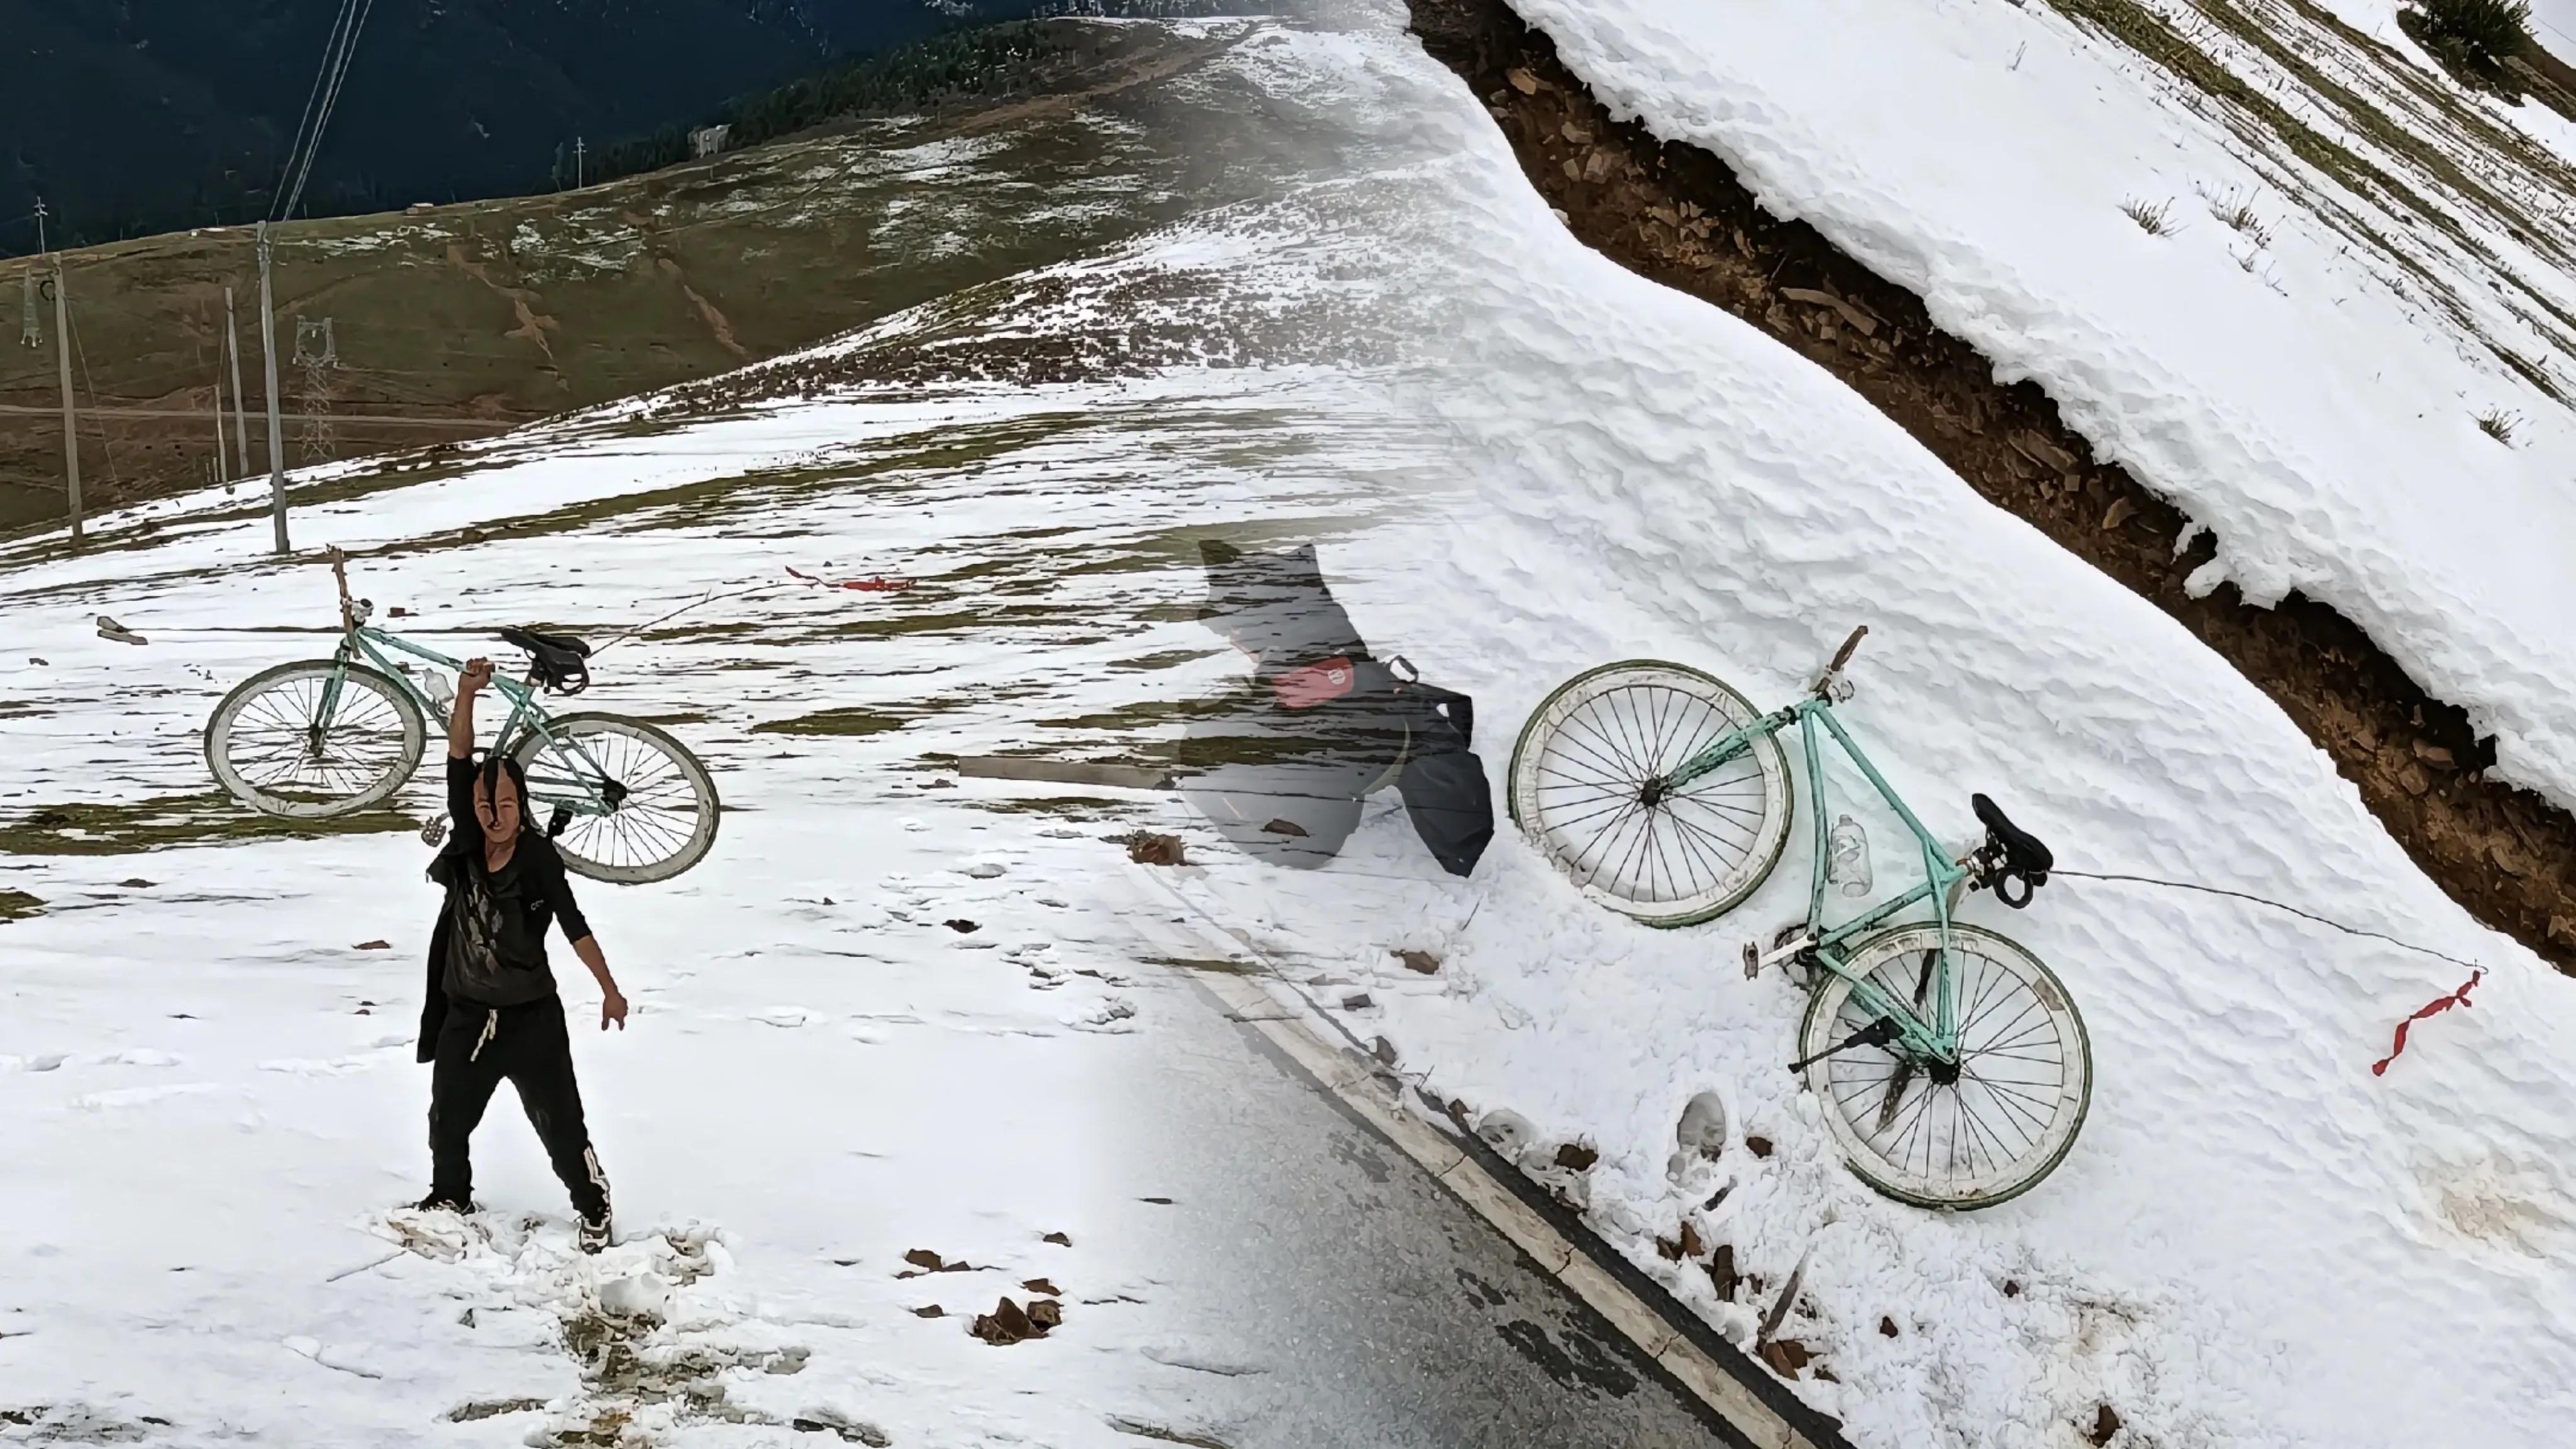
{"points": [[492, 1011]]}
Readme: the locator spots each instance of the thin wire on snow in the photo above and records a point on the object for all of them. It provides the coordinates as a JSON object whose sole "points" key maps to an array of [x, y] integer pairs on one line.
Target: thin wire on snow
{"points": [[2184, 885]]}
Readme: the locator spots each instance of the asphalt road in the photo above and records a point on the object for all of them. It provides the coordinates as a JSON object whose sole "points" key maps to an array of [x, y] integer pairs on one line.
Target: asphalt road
{"points": [[1334, 1293]]}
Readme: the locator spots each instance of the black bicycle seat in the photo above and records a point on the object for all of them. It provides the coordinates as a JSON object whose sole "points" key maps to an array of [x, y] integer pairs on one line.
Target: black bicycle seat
{"points": [[557, 659], [2012, 856]]}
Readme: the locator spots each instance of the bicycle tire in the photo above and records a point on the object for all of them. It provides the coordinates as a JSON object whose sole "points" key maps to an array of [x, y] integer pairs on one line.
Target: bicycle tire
{"points": [[1840, 1080], [1670, 695], [322, 802], [703, 806]]}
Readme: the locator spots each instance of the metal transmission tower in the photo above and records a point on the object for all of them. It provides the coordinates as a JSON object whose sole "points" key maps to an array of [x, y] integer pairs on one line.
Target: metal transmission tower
{"points": [[31, 332], [318, 354]]}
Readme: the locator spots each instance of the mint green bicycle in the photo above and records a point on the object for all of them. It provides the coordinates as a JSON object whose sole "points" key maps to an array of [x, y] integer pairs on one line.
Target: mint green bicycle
{"points": [[622, 800], [1952, 1066]]}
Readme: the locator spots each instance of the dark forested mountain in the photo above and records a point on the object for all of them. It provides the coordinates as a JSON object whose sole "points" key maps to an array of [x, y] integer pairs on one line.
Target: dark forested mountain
{"points": [[133, 116]]}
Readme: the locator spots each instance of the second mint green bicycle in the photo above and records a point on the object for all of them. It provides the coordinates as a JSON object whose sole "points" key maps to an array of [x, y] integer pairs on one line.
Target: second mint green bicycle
{"points": [[1952, 1066]]}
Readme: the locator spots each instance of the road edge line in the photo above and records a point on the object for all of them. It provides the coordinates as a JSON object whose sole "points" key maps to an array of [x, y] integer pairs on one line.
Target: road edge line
{"points": [[1664, 1332]]}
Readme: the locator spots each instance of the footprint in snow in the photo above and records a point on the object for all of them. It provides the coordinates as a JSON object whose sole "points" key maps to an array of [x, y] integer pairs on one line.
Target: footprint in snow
{"points": [[314, 1067], [138, 1096]]}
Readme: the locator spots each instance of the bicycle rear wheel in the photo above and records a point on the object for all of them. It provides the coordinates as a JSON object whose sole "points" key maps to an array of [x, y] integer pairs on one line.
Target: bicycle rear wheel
{"points": [[314, 739], [637, 806], [1584, 789], [2024, 1084]]}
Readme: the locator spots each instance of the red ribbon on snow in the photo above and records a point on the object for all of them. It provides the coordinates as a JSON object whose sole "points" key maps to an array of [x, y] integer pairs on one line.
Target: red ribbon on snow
{"points": [[870, 585], [2456, 998]]}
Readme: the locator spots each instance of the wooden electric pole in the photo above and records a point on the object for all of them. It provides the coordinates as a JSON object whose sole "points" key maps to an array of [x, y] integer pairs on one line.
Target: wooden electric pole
{"points": [[276, 426], [71, 433], [241, 404], [223, 461]]}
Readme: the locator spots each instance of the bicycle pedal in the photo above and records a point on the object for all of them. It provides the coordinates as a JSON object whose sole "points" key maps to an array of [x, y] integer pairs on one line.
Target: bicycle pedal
{"points": [[1752, 960], [435, 832]]}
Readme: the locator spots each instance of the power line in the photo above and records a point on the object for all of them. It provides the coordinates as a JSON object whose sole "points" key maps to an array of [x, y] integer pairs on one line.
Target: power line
{"points": [[337, 52], [295, 148]]}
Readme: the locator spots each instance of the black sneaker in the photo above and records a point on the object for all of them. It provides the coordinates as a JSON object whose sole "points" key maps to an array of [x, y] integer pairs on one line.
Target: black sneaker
{"points": [[439, 1202], [594, 1233]]}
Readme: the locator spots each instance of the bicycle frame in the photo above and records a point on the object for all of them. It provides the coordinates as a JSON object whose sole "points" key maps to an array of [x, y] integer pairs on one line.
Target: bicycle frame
{"points": [[1933, 1041], [581, 792]]}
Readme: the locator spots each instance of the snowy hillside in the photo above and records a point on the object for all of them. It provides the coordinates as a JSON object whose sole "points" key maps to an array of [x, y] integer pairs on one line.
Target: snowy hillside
{"points": [[2255, 1239], [2266, 258], [2255, 1242]]}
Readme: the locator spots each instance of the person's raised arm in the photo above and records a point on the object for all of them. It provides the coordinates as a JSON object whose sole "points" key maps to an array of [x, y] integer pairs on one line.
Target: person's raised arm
{"points": [[460, 720]]}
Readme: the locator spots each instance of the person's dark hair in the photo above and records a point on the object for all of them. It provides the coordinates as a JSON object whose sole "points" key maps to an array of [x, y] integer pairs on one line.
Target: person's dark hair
{"points": [[496, 764]]}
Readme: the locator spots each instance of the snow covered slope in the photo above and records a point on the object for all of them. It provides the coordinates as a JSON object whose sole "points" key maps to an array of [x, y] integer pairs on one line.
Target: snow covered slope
{"points": [[2255, 1242], [887, 1014], [2358, 264]]}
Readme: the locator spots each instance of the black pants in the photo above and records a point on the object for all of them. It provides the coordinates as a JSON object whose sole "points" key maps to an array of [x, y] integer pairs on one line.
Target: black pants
{"points": [[477, 1047]]}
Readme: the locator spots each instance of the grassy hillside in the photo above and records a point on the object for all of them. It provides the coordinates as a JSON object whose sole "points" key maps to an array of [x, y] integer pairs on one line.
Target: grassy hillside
{"points": [[475, 317]]}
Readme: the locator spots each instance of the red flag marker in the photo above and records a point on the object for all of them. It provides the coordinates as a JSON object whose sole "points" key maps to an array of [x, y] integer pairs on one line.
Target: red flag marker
{"points": [[2436, 1008]]}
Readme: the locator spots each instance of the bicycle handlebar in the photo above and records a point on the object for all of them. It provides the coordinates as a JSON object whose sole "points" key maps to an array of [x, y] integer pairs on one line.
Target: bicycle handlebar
{"points": [[340, 576], [1842, 656], [1850, 646]]}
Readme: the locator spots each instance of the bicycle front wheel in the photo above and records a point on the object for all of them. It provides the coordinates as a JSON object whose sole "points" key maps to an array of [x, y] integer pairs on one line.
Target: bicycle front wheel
{"points": [[636, 805], [1586, 789], [2006, 1119], [315, 739]]}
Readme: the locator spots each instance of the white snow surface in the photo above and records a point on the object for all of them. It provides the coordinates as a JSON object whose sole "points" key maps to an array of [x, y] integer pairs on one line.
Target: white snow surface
{"points": [[2312, 395], [2255, 1242]]}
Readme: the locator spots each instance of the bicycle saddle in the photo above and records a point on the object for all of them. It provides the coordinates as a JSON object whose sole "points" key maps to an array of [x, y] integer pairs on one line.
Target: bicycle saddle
{"points": [[557, 660], [2010, 854]]}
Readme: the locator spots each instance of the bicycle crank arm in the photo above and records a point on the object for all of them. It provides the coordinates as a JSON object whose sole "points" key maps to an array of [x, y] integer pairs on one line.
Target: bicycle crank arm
{"points": [[1755, 959]]}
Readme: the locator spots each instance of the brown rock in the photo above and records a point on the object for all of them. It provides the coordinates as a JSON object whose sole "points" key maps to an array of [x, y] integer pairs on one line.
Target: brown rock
{"points": [[1005, 1324], [1522, 81], [1385, 1051], [2413, 780], [1758, 1146], [2562, 930], [1147, 848], [1046, 1313], [1721, 1272], [924, 1259], [1284, 827], [1887, 1326], [372, 946], [2122, 510], [1357, 1002], [1692, 1247], [933, 1311], [1059, 1239], [2012, 1288], [1042, 1287], [1786, 1356], [1422, 961], [2105, 1424], [2432, 754], [1577, 1156]]}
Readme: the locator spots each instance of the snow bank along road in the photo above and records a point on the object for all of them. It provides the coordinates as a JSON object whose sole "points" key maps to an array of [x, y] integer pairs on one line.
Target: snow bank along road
{"points": [[1683, 216]]}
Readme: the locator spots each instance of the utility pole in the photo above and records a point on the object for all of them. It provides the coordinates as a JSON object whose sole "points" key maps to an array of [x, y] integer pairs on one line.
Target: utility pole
{"points": [[223, 470], [241, 404], [276, 425], [71, 434], [578, 151], [41, 248]]}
